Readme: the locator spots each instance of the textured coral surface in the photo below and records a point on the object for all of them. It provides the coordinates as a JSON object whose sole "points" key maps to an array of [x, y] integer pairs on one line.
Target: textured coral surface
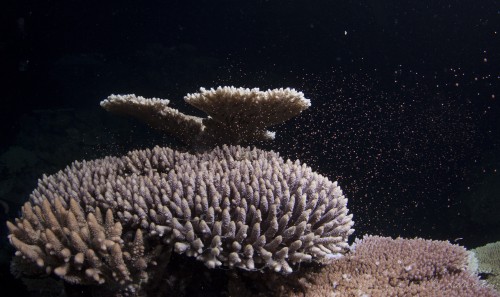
{"points": [[232, 206]]}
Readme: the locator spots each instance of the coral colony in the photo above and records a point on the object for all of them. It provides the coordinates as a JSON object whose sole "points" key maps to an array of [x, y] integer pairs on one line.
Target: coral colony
{"points": [[114, 223]]}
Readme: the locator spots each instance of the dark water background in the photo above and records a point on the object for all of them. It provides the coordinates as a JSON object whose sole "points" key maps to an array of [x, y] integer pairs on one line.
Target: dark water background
{"points": [[404, 96]]}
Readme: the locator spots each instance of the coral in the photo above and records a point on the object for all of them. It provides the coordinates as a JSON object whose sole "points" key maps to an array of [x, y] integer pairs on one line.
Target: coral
{"points": [[80, 248], [380, 266], [113, 223], [488, 262], [236, 115], [157, 114], [232, 206]]}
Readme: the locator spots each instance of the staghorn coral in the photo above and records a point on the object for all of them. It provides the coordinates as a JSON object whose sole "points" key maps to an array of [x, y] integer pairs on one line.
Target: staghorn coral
{"points": [[381, 266], [80, 248], [232, 206], [236, 115]]}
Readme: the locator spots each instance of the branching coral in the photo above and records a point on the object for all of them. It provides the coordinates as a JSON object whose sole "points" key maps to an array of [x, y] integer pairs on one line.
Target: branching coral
{"points": [[81, 248], [232, 206]]}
